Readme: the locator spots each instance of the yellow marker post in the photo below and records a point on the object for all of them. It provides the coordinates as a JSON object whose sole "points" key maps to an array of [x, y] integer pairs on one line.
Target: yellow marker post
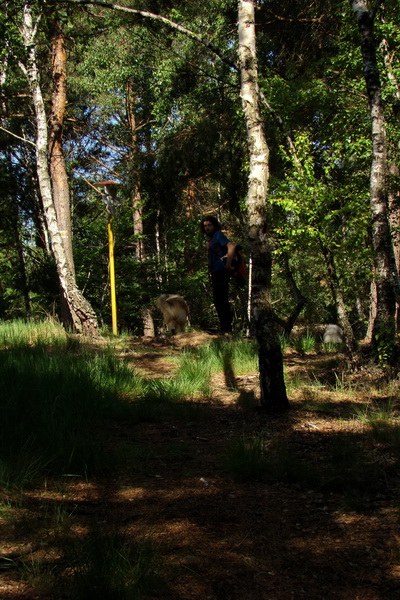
{"points": [[109, 197], [112, 277]]}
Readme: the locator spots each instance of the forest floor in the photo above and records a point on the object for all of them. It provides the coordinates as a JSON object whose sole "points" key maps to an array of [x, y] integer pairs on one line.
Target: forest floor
{"points": [[222, 539]]}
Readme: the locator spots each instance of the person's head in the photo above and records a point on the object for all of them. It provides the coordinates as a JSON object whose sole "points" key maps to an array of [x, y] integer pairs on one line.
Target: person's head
{"points": [[209, 225]]}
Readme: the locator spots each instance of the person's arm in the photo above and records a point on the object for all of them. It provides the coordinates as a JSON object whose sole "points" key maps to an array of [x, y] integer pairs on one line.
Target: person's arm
{"points": [[230, 254]]}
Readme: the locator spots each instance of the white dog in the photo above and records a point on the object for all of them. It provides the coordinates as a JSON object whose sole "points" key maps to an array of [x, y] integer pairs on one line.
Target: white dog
{"points": [[175, 312], [333, 334]]}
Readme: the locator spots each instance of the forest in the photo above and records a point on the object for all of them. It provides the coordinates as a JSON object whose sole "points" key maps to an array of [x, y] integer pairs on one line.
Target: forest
{"points": [[151, 97], [137, 464]]}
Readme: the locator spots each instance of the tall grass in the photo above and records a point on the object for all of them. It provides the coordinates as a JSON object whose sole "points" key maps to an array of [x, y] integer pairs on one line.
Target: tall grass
{"points": [[56, 396], [53, 400], [51, 404], [240, 355], [25, 334], [304, 343], [384, 424]]}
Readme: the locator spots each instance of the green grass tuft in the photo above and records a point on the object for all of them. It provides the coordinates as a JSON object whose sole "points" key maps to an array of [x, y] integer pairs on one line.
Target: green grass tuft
{"points": [[110, 568]]}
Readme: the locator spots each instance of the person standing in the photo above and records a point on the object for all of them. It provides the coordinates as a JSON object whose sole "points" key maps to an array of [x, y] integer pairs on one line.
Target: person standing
{"points": [[220, 255]]}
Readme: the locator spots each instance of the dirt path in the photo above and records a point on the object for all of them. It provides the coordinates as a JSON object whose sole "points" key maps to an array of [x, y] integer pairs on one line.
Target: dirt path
{"points": [[223, 540]]}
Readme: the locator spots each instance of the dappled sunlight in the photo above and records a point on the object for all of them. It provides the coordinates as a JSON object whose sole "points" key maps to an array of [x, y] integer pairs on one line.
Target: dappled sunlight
{"points": [[234, 502]]}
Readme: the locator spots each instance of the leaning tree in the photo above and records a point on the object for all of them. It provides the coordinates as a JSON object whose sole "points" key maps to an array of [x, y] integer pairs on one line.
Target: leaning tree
{"points": [[81, 313]]}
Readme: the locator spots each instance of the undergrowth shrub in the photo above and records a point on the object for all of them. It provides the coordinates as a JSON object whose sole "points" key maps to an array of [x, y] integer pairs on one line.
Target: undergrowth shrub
{"points": [[304, 343]]}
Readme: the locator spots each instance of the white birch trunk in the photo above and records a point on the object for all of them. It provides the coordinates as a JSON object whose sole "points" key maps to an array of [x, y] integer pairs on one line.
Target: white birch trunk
{"points": [[273, 391], [384, 265], [83, 318]]}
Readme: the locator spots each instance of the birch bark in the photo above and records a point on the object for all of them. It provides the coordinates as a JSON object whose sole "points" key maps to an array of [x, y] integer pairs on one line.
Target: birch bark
{"points": [[273, 391], [83, 317], [385, 269]]}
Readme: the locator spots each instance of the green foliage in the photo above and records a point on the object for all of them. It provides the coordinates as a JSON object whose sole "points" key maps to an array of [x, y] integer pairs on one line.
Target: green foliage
{"points": [[55, 394], [183, 150], [385, 347], [240, 354], [27, 334]]}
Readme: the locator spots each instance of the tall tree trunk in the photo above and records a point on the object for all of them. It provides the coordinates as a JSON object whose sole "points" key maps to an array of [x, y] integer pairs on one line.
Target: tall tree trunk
{"points": [[394, 220], [372, 311], [384, 325], [147, 318], [273, 391], [83, 317], [58, 171], [394, 172], [338, 298]]}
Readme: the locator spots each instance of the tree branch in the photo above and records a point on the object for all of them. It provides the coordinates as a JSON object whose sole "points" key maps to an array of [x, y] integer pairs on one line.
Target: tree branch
{"points": [[200, 40], [18, 137], [155, 17]]}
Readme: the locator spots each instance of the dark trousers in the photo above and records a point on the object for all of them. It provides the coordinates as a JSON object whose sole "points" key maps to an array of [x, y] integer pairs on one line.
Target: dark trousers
{"points": [[220, 287]]}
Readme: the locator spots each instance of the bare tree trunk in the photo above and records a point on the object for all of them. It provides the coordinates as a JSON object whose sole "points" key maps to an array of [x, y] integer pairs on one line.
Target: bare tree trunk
{"points": [[372, 312], [301, 301], [273, 391], [384, 325], [147, 317], [394, 220], [83, 318], [343, 320], [58, 171], [394, 172]]}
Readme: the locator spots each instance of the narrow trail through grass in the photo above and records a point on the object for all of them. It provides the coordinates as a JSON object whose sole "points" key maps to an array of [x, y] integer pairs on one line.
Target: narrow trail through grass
{"points": [[145, 469]]}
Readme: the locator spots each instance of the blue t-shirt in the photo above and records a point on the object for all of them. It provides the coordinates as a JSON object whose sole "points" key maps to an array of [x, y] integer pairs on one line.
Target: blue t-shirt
{"points": [[216, 251]]}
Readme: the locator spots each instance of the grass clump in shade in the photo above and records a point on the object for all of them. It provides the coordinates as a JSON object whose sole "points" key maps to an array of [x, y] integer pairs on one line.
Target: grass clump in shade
{"points": [[110, 568], [350, 471], [156, 411], [161, 399], [246, 459], [51, 405], [257, 459], [344, 467], [304, 344], [384, 424]]}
